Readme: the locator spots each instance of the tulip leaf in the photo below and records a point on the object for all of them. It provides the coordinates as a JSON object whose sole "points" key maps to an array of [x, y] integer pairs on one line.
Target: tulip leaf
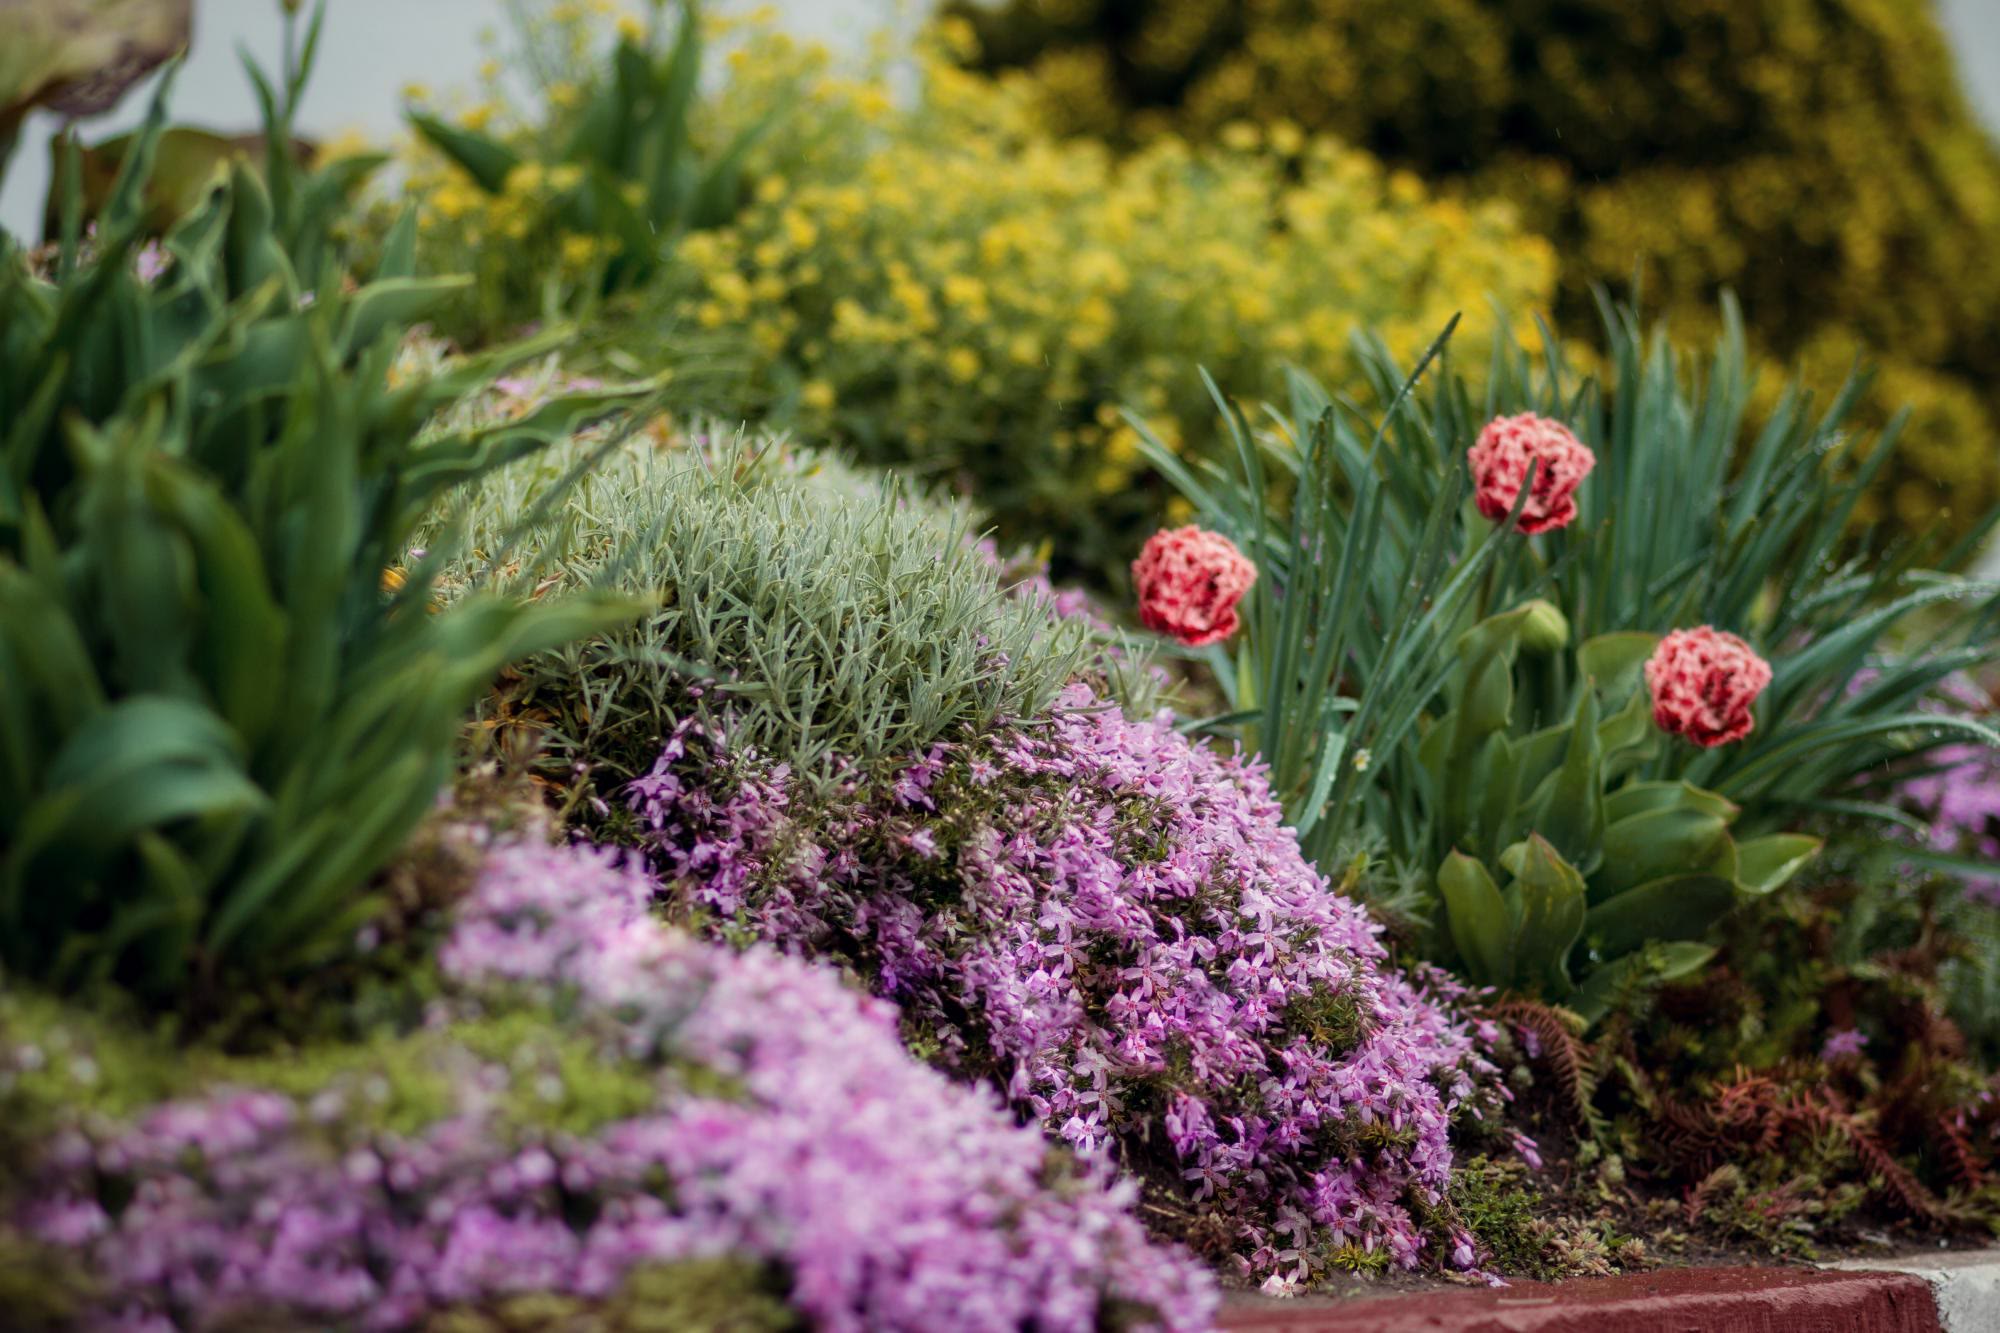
{"points": [[1678, 907], [1764, 864], [1480, 923], [1674, 840], [1550, 893], [1613, 661]]}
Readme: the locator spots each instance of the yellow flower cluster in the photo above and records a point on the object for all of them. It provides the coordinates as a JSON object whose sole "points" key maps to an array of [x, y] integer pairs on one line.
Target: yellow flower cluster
{"points": [[1814, 155], [948, 286], [518, 243]]}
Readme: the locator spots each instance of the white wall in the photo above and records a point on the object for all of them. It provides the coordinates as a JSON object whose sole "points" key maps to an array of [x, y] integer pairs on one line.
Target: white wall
{"points": [[369, 50]]}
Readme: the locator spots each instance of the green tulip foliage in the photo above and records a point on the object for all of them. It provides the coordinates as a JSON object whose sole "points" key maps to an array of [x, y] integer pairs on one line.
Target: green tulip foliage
{"points": [[1561, 869], [220, 710]]}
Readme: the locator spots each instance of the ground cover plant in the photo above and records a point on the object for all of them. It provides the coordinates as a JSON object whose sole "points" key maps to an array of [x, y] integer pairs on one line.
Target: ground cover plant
{"points": [[1106, 921], [614, 1121]]}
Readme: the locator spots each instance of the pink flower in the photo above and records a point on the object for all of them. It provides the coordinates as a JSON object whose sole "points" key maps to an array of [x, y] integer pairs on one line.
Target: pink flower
{"points": [[1842, 1044], [1703, 682], [1189, 582], [1500, 462]]}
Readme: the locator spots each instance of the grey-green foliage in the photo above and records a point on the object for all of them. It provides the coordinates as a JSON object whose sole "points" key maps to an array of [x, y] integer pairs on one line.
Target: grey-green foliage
{"points": [[825, 613]]}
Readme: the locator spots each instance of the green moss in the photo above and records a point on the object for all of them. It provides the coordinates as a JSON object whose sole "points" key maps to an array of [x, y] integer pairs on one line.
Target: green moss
{"points": [[709, 1296], [1328, 1019], [563, 1075], [1524, 1233], [41, 1291]]}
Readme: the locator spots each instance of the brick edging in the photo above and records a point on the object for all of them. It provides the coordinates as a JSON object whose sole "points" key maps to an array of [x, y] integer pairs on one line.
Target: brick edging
{"points": [[1671, 1300]]}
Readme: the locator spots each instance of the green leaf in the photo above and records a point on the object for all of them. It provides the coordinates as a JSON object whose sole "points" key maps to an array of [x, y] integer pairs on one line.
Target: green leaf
{"points": [[1641, 798], [1614, 661], [1480, 924], [485, 159], [1570, 813], [1678, 907], [1551, 897], [1764, 864], [1679, 839], [390, 306]]}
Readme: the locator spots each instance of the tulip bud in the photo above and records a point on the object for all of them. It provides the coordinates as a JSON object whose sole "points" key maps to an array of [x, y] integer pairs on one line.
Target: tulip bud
{"points": [[1544, 629]]}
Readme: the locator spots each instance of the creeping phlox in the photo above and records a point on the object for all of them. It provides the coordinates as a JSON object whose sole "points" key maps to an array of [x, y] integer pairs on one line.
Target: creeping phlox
{"points": [[1117, 926], [812, 1145]]}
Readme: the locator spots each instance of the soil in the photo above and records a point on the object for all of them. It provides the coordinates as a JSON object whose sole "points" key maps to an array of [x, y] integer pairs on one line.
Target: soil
{"points": [[1574, 1198]]}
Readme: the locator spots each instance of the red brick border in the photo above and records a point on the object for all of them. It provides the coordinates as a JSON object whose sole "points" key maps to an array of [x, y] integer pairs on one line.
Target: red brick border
{"points": [[1673, 1300]]}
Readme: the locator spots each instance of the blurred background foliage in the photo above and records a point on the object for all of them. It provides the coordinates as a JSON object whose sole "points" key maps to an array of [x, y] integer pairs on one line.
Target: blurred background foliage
{"points": [[1817, 156], [943, 286]]}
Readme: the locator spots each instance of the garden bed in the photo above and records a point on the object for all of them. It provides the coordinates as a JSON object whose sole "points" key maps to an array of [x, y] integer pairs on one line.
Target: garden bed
{"points": [[888, 721]]}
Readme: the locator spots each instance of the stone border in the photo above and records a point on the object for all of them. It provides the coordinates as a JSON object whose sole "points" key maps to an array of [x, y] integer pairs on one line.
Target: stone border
{"points": [[1671, 1300], [1964, 1283]]}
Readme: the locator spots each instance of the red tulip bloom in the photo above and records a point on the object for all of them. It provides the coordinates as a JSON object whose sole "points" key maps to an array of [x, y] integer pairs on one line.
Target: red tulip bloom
{"points": [[1703, 682], [1500, 462], [1189, 582]]}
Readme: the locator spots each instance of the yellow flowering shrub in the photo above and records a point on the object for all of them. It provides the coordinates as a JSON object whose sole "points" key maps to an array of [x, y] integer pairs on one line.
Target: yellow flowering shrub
{"points": [[1815, 155], [945, 286], [580, 189]]}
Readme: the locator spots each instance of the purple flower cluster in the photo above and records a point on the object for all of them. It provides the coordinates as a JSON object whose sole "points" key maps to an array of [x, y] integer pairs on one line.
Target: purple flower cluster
{"points": [[1960, 798], [878, 1193], [1027, 575], [1116, 926]]}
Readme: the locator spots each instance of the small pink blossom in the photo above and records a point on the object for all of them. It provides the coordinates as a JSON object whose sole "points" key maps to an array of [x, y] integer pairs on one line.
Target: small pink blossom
{"points": [[1189, 582], [1842, 1044], [1703, 682], [1500, 461]]}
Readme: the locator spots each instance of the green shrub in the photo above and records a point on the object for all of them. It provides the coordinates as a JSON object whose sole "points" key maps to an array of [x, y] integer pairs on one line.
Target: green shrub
{"points": [[820, 611], [1815, 155], [216, 721]]}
